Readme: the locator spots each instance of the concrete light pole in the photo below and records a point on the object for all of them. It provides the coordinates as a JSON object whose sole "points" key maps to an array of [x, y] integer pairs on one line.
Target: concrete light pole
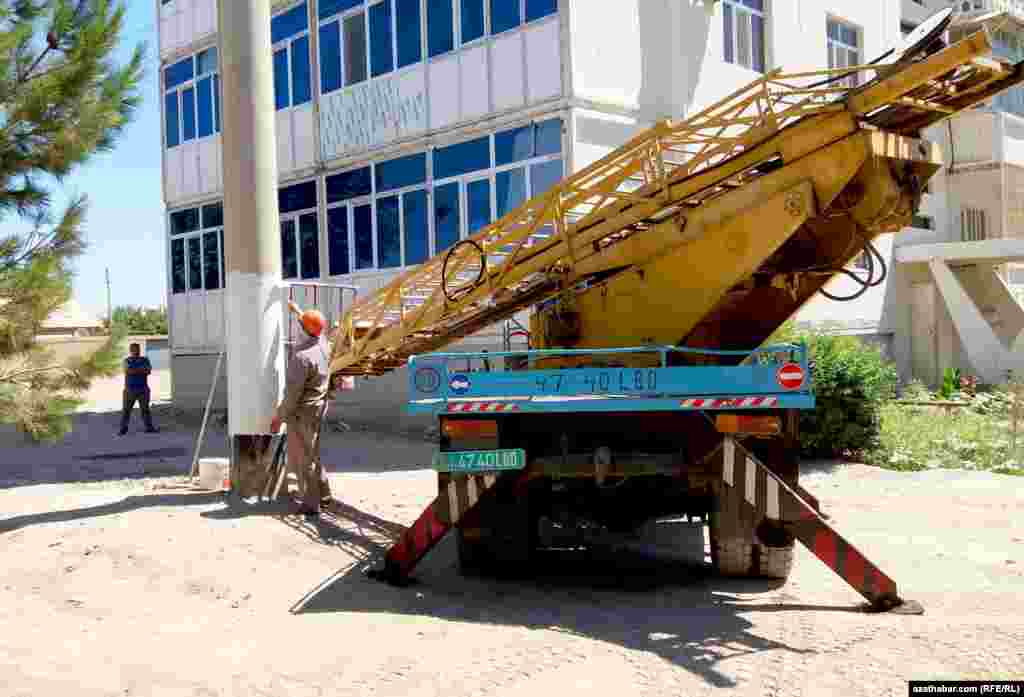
{"points": [[255, 330]]}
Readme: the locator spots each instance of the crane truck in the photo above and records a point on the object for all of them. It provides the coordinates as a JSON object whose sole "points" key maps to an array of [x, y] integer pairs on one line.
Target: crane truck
{"points": [[655, 275]]}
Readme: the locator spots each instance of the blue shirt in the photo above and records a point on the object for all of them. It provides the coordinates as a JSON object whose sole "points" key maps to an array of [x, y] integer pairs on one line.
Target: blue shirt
{"points": [[136, 382]]}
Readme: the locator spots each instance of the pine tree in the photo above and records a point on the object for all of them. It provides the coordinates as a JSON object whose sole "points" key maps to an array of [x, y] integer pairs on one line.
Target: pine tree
{"points": [[62, 99]]}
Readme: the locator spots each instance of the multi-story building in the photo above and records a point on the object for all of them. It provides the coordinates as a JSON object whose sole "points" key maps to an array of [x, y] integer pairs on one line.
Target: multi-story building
{"points": [[405, 125]]}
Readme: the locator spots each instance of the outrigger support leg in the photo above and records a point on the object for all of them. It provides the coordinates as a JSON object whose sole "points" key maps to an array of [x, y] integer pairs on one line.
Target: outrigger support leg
{"points": [[459, 495], [775, 500]]}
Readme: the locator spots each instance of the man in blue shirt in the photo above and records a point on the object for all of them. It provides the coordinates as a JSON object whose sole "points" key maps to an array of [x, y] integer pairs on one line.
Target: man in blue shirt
{"points": [[136, 388]]}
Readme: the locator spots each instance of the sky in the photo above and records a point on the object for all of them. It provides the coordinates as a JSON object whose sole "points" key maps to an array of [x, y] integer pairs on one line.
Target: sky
{"points": [[124, 226]]}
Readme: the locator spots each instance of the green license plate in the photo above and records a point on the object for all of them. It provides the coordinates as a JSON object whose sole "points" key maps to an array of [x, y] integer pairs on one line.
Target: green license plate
{"points": [[480, 460]]}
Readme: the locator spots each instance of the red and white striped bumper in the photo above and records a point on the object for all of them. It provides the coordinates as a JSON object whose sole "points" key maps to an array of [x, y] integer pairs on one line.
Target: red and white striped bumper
{"points": [[496, 407], [730, 403]]}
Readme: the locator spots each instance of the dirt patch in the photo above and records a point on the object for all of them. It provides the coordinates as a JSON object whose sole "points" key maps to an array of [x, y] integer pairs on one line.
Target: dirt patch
{"points": [[139, 587]]}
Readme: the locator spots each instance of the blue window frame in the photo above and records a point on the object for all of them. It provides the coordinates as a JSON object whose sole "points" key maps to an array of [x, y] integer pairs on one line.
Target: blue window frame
{"points": [[211, 259], [407, 20], [206, 61], [414, 214], [204, 97], [355, 48], [401, 172], [514, 145], [330, 37], [223, 263], [178, 266], [462, 158], [296, 197], [192, 98], [213, 215], [188, 114], [289, 258], [301, 89], [504, 15], [535, 9], [337, 240], [329, 8], [473, 26], [549, 137], [309, 246], [522, 143], [216, 99], [173, 136], [330, 58], [186, 220], [346, 185], [511, 189], [281, 96], [440, 27], [362, 226], [478, 205], [544, 175], [446, 216], [288, 24], [389, 249], [195, 263], [178, 73], [382, 59]]}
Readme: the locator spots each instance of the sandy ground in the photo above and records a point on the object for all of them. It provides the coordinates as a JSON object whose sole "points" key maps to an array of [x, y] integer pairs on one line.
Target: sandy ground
{"points": [[115, 583]]}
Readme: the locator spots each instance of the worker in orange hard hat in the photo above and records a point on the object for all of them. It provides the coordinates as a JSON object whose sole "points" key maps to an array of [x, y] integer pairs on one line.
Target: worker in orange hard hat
{"points": [[307, 392]]}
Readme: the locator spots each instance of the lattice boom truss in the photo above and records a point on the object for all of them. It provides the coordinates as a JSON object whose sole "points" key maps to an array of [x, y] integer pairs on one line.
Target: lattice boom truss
{"points": [[529, 255]]}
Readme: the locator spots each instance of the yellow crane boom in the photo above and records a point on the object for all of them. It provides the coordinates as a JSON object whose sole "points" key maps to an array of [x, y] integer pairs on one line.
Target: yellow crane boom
{"points": [[708, 209]]}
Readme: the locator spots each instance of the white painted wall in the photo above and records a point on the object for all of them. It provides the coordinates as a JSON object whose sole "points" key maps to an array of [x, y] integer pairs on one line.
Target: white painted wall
{"points": [[193, 169], [296, 139], [183, 22], [666, 58], [197, 321]]}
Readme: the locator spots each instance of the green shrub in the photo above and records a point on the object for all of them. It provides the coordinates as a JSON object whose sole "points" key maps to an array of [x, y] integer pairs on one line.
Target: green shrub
{"points": [[918, 438], [852, 380]]}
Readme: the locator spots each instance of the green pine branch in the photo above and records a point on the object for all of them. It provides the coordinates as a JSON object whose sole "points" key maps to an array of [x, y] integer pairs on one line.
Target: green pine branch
{"points": [[62, 100]]}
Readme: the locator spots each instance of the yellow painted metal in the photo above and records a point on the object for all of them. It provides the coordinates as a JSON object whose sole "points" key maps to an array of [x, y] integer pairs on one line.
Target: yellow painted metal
{"points": [[716, 170]]}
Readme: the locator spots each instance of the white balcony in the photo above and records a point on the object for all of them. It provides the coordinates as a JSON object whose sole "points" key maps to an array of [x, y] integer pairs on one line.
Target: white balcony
{"points": [[973, 9]]}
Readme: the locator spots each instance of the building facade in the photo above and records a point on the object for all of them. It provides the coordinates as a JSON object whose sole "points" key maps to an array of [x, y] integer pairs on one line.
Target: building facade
{"points": [[405, 125], [951, 298]]}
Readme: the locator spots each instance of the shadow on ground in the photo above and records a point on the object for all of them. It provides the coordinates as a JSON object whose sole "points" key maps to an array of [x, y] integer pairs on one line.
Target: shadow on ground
{"points": [[681, 613], [125, 505]]}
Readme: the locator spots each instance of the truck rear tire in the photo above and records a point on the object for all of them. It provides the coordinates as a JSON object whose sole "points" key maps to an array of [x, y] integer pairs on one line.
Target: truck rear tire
{"points": [[744, 558]]}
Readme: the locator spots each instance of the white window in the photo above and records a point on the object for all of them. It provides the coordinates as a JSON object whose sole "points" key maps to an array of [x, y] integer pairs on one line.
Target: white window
{"points": [[843, 48], [743, 23], [289, 32], [197, 248], [973, 225]]}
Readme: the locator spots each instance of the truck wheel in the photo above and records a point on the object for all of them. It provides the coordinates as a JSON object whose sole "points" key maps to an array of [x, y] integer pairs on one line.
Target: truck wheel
{"points": [[752, 559], [502, 545], [471, 552], [740, 548]]}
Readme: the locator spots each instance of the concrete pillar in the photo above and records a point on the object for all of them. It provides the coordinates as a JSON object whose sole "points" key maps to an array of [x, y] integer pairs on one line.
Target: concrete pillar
{"points": [[255, 328]]}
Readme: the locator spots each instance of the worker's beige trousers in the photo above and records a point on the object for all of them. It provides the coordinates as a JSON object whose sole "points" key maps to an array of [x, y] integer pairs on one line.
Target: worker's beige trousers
{"points": [[304, 458]]}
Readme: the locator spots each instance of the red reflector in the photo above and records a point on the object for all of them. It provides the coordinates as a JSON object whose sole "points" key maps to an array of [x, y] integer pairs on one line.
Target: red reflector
{"points": [[734, 423], [463, 429]]}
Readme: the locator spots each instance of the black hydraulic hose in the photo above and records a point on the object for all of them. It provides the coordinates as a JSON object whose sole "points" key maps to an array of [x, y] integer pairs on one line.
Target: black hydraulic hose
{"points": [[444, 267], [870, 253]]}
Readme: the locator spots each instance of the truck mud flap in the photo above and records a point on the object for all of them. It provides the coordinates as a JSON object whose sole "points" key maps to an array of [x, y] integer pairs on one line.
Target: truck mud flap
{"points": [[770, 497]]}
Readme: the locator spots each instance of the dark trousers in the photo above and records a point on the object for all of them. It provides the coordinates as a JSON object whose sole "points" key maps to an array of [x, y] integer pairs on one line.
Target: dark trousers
{"points": [[142, 397]]}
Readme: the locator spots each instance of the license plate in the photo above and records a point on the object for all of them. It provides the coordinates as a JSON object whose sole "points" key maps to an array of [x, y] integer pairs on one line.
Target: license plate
{"points": [[480, 460]]}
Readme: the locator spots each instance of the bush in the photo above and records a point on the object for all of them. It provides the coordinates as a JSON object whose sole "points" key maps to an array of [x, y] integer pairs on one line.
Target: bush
{"points": [[851, 383], [916, 438]]}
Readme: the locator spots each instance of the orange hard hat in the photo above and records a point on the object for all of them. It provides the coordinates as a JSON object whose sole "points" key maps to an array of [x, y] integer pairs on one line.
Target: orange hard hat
{"points": [[313, 322]]}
